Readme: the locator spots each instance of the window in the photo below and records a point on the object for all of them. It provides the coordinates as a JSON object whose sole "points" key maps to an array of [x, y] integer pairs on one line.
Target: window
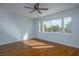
{"points": [[56, 25], [47, 26], [67, 25], [50, 26]]}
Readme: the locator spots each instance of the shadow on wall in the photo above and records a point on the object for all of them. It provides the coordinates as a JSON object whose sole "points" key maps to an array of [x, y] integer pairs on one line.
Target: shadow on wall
{"points": [[10, 31], [10, 28]]}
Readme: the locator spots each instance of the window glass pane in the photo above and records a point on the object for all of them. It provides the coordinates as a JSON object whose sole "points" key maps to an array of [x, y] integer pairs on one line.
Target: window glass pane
{"points": [[67, 25], [47, 26], [56, 25]]}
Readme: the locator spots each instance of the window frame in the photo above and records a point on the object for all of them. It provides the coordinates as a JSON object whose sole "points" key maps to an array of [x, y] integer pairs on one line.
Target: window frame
{"points": [[51, 27], [62, 26]]}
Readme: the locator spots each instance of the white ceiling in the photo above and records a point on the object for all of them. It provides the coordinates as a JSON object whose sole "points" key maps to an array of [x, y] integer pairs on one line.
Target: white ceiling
{"points": [[18, 8]]}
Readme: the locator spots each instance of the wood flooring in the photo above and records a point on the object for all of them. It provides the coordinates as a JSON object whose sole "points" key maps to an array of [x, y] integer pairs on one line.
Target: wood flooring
{"points": [[37, 47]]}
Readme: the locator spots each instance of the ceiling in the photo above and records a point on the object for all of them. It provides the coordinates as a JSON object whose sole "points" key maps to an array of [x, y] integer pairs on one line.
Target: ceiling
{"points": [[18, 8]]}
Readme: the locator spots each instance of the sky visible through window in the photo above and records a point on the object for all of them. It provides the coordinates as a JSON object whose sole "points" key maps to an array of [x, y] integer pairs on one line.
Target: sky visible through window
{"points": [[57, 22], [67, 20], [47, 23], [53, 22]]}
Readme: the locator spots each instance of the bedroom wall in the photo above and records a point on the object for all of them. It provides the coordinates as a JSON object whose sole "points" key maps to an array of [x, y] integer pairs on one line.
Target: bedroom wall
{"points": [[15, 27], [67, 39]]}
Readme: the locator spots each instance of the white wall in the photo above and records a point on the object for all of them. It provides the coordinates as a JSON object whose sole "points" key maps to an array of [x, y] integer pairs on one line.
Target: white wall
{"points": [[13, 27], [71, 39]]}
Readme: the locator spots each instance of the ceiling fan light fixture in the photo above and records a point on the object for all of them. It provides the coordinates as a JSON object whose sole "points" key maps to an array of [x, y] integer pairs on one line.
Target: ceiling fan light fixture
{"points": [[36, 7]]}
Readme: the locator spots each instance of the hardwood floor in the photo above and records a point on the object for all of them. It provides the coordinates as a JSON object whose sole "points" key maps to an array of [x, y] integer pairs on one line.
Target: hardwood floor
{"points": [[37, 47]]}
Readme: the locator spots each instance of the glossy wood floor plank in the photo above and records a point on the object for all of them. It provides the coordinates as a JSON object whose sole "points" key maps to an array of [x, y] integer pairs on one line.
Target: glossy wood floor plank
{"points": [[37, 47]]}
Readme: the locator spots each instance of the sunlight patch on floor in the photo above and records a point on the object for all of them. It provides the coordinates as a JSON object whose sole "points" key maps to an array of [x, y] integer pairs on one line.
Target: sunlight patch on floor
{"points": [[47, 46]]}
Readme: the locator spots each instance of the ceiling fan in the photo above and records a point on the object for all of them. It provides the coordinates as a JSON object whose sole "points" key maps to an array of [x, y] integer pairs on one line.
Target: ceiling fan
{"points": [[36, 8]]}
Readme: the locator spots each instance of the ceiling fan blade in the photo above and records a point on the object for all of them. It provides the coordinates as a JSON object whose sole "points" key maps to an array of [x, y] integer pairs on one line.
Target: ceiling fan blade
{"points": [[28, 7], [32, 11], [43, 8], [38, 11]]}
